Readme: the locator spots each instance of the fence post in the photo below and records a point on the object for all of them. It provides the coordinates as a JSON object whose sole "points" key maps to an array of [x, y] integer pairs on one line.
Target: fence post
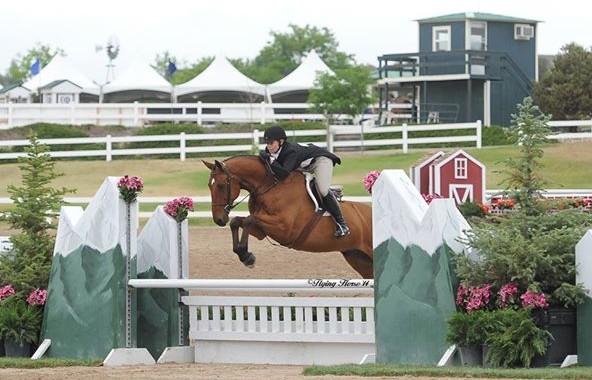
{"points": [[330, 138], [256, 140], [479, 134], [404, 136], [9, 114], [136, 113], [72, 115], [109, 148], [199, 113], [182, 145], [262, 113]]}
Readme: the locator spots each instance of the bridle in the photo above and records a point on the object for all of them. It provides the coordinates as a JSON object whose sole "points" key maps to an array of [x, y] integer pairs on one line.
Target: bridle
{"points": [[229, 205]]}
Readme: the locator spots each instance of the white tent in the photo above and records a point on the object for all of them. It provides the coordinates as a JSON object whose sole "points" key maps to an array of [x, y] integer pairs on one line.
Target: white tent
{"points": [[303, 77], [60, 68], [139, 77], [220, 76]]}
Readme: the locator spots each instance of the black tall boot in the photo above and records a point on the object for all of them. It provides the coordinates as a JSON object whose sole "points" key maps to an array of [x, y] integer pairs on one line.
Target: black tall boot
{"points": [[332, 206]]}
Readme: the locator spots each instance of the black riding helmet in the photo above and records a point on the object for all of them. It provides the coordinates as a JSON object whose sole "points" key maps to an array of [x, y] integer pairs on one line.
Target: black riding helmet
{"points": [[274, 133]]}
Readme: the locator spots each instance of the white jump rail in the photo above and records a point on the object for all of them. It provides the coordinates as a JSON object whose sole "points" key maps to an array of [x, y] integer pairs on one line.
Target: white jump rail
{"points": [[278, 330]]}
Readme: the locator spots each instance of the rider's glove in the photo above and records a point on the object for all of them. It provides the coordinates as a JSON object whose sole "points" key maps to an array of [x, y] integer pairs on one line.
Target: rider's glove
{"points": [[264, 155]]}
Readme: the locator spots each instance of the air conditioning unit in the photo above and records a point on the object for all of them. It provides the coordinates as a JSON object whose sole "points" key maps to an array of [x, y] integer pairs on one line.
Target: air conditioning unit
{"points": [[523, 32]]}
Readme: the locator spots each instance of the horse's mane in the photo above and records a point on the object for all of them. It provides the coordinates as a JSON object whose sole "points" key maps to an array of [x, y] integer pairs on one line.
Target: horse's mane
{"points": [[238, 156]]}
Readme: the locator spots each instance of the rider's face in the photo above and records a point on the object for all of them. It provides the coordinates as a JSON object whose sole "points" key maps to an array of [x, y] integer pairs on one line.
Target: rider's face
{"points": [[273, 146]]}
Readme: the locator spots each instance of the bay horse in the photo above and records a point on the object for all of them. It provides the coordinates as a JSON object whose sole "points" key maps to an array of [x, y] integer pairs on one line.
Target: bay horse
{"points": [[284, 211]]}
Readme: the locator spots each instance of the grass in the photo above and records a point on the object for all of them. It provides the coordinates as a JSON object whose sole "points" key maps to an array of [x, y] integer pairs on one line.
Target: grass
{"points": [[384, 370], [45, 362], [566, 165]]}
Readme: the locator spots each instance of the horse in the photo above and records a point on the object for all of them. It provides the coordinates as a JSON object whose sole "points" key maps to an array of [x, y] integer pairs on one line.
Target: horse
{"points": [[283, 211]]}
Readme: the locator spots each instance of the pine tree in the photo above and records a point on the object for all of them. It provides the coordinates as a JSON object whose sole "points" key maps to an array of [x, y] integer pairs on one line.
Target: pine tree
{"points": [[34, 215], [529, 131]]}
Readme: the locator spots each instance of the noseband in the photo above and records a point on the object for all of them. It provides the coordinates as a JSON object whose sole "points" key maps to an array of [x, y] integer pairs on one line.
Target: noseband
{"points": [[228, 206]]}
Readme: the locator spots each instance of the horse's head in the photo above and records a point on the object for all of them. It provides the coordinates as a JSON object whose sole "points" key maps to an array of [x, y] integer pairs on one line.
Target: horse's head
{"points": [[224, 189]]}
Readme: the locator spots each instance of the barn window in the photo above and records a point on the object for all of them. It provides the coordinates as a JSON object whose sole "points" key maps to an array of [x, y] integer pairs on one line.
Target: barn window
{"points": [[441, 38], [460, 168]]}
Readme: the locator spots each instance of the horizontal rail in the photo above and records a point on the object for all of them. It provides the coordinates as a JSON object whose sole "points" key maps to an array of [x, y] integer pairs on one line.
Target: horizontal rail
{"points": [[255, 285]]}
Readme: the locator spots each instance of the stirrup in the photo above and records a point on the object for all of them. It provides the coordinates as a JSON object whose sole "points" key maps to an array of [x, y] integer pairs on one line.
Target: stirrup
{"points": [[341, 231]]}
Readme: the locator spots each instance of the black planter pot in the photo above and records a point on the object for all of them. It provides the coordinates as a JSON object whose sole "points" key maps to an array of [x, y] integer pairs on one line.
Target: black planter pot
{"points": [[561, 323], [14, 349]]}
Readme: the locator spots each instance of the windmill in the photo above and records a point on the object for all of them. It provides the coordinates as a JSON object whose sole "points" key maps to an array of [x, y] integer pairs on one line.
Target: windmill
{"points": [[112, 50]]}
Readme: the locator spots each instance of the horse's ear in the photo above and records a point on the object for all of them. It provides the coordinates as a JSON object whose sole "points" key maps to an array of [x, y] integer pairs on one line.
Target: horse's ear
{"points": [[219, 164], [209, 165]]}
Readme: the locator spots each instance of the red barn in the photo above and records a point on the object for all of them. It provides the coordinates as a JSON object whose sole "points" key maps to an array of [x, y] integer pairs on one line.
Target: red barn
{"points": [[455, 175], [420, 173]]}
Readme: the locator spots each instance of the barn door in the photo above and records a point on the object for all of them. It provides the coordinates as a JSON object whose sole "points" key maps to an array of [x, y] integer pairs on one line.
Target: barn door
{"points": [[461, 193]]}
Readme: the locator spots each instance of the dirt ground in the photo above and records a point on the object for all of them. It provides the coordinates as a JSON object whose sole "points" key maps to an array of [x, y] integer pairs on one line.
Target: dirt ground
{"points": [[180, 372], [211, 256]]}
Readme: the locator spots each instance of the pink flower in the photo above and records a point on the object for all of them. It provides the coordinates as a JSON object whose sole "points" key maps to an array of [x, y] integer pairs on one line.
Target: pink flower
{"points": [[534, 300], [369, 180], [179, 208], [130, 187], [430, 197], [6, 291], [507, 295], [37, 297], [473, 298]]}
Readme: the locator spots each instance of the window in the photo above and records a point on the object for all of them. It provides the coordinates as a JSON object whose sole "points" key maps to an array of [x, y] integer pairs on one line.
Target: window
{"points": [[523, 32], [477, 36], [441, 38], [65, 98], [460, 168]]}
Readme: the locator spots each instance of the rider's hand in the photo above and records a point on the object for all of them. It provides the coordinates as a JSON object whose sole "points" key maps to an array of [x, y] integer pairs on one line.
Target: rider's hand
{"points": [[264, 155]]}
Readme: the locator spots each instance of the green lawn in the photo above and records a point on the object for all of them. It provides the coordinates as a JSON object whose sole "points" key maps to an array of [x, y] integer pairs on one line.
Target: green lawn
{"points": [[566, 165]]}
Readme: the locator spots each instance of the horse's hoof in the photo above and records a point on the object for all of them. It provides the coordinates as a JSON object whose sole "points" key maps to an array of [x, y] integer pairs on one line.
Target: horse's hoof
{"points": [[249, 261]]}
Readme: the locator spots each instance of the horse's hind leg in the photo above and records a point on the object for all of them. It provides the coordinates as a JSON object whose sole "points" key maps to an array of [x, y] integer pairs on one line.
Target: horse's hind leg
{"points": [[360, 261], [241, 246]]}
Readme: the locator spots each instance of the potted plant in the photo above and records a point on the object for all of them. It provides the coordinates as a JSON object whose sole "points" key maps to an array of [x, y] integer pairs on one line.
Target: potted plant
{"points": [[468, 331], [20, 319], [20, 324], [514, 339]]}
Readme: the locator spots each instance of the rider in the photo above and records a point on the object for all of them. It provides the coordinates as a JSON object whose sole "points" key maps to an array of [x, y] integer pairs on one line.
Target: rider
{"points": [[285, 157]]}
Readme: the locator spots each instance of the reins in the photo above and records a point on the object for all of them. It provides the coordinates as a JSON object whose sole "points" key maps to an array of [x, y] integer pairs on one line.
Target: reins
{"points": [[229, 205]]}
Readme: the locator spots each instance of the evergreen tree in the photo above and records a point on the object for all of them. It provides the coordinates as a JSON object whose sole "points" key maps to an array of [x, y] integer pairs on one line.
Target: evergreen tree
{"points": [[565, 91], [529, 131], [35, 211]]}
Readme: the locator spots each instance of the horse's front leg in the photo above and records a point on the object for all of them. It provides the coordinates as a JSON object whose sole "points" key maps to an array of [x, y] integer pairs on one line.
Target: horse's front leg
{"points": [[241, 246]]}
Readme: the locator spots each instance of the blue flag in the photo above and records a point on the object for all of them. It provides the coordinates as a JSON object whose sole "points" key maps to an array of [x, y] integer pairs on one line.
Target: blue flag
{"points": [[172, 67], [36, 67]]}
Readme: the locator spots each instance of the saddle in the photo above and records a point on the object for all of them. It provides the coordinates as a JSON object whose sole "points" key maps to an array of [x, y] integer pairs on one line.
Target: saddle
{"points": [[315, 195]]}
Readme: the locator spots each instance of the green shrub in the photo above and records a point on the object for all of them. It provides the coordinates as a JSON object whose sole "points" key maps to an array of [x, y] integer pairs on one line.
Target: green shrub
{"points": [[494, 135], [469, 209], [19, 321], [51, 131], [515, 339], [468, 329]]}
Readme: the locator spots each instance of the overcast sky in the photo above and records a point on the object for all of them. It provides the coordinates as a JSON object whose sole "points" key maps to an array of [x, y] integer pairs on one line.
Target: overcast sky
{"points": [[191, 29]]}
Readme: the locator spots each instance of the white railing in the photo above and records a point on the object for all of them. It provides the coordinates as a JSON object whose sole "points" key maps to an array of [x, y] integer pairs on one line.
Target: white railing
{"points": [[286, 319], [578, 124], [246, 142], [139, 114]]}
